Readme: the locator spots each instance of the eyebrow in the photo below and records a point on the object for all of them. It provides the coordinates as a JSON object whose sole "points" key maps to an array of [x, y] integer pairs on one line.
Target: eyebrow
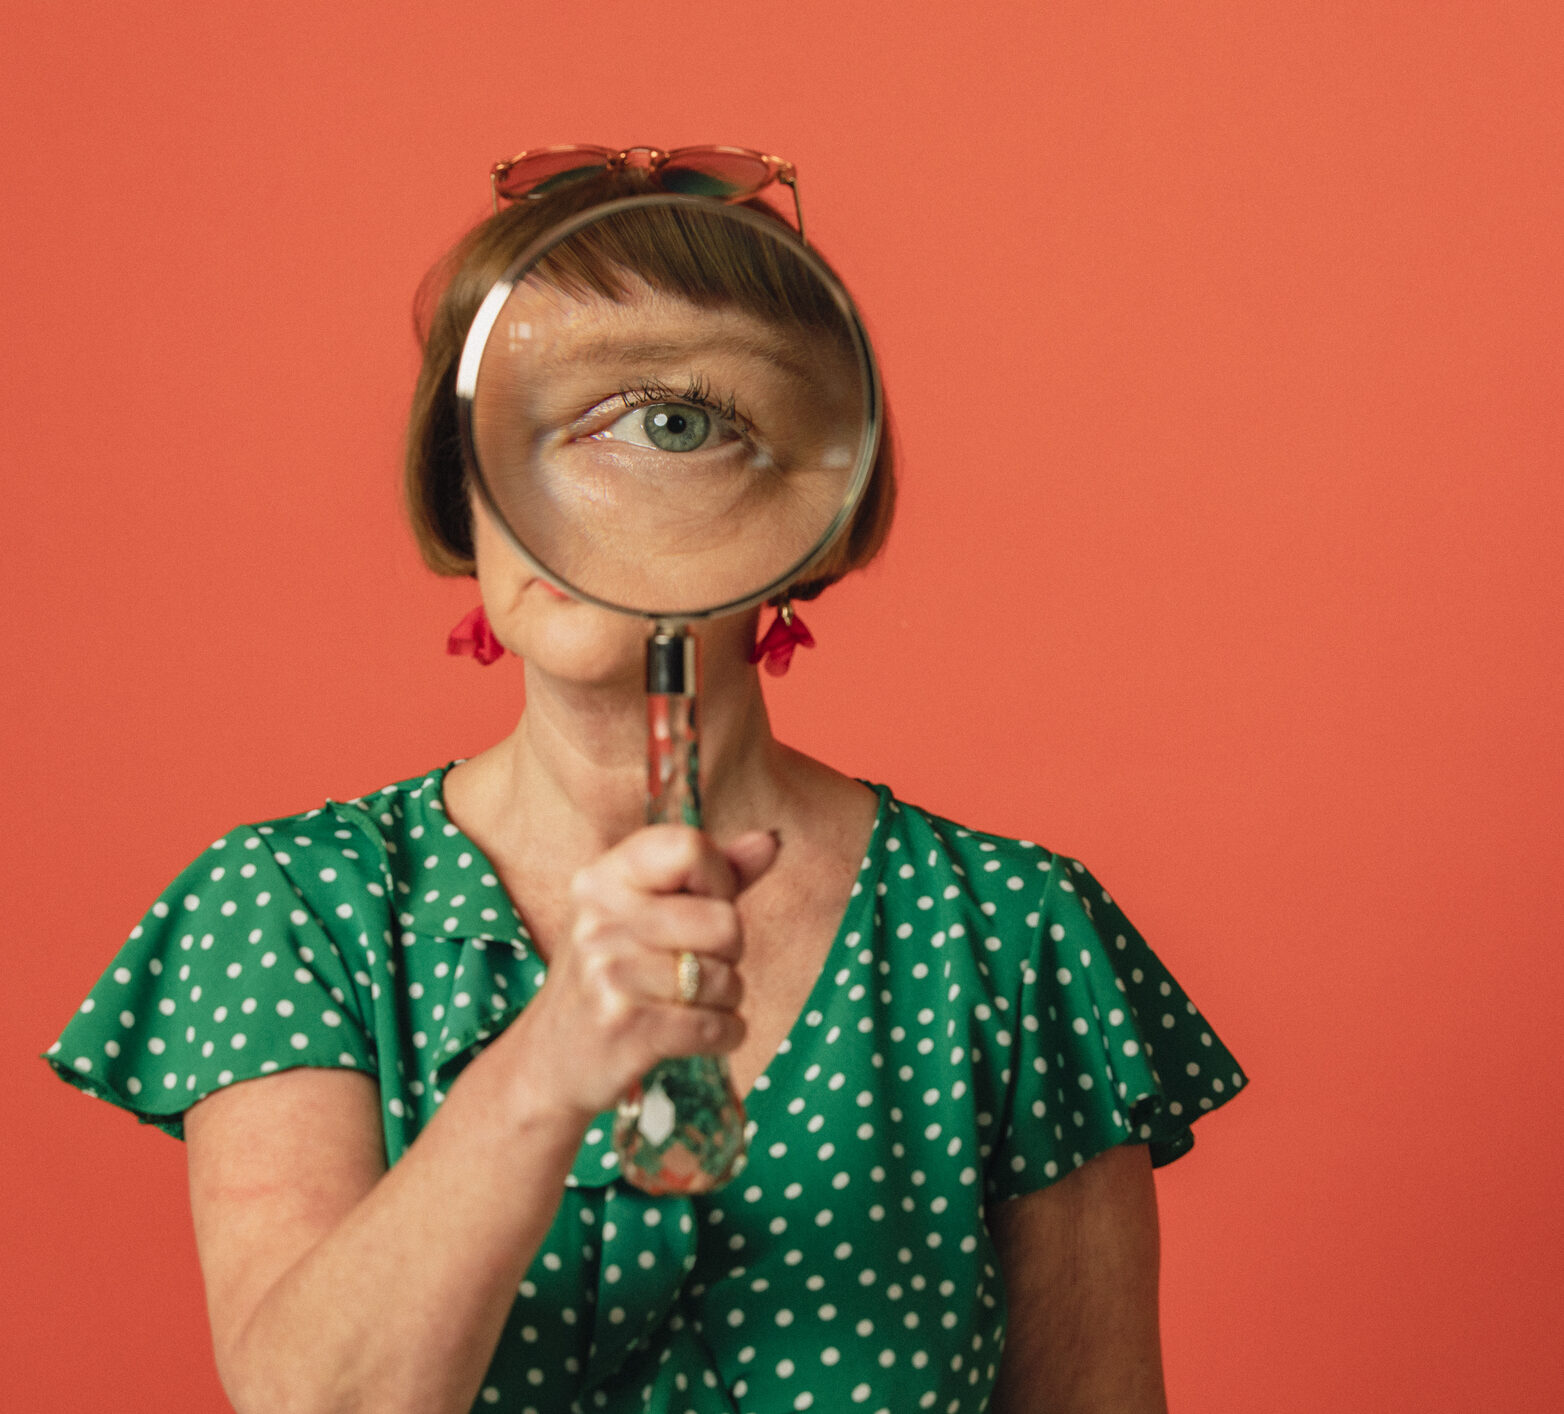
{"points": [[609, 349]]}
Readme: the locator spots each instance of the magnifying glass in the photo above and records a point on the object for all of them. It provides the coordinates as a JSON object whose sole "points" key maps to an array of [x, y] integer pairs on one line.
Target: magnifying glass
{"points": [[671, 408]]}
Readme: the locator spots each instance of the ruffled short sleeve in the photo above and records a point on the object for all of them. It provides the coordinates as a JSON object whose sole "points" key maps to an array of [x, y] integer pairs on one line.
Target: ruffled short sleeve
{"points": [[229, 976], [1109, 1049]]}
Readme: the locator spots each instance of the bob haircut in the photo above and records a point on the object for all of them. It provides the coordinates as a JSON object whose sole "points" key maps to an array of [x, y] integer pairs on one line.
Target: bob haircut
{"points": [[704, 261]]}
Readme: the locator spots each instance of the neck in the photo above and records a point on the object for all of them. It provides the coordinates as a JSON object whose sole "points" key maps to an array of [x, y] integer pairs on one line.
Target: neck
{"points": [[571, 778]]}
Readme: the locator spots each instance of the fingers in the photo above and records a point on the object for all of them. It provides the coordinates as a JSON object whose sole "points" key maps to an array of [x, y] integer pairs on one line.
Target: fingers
{"points": [[720, 987], [612, 1002], [635, 994], [671, 859], [671, 887], [671, 922], [751, 854], [640, 974], [674, 1030], [674, 859]]}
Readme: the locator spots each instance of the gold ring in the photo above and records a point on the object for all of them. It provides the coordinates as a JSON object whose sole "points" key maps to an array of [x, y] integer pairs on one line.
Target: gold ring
{"points": [[689, 977]]}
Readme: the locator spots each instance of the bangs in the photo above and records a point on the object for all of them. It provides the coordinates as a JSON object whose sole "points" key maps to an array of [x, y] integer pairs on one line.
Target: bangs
{"points": [[698, 256]]}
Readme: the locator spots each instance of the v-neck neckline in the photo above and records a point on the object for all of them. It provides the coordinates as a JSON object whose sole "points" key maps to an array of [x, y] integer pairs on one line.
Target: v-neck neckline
{"points": [[857, 915], [859, 911]]}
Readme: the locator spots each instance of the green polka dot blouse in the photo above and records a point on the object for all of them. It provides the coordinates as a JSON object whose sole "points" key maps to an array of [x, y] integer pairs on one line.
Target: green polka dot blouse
{"points": [[986, 1021]]}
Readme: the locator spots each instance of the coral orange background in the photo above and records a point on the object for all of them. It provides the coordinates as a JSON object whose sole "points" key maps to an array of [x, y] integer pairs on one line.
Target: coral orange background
{"points": [[1224, 343]]}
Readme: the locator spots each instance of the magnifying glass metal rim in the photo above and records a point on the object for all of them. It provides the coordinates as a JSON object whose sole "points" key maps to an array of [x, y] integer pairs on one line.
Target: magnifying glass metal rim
{"points": [[483, 325]]}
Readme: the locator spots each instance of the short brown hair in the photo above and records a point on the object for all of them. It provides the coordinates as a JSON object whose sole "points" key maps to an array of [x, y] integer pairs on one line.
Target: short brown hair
{"points": [[435, 479]]}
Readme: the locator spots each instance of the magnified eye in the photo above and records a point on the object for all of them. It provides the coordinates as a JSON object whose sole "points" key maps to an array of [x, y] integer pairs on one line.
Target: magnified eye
{"points": [[669, 427]]}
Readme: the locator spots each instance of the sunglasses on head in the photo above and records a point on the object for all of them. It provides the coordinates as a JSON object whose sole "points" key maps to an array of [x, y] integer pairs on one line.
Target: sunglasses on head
{"points": [[723, 173]]}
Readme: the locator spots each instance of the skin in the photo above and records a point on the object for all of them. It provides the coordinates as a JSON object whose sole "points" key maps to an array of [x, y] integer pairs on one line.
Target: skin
{"points": [[336, 1285]]}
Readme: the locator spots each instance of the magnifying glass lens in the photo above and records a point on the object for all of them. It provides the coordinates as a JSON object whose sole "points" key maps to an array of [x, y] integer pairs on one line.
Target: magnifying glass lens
{"points": [[672, 409]]}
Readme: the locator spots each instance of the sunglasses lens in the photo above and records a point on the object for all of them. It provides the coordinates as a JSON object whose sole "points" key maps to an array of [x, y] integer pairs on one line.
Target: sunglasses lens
{"points": [[543, 171], [719, 174]]}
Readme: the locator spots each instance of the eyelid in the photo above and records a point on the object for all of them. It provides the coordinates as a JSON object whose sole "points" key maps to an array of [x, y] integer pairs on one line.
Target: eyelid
{"points": [[697, 393], [649, 393]]}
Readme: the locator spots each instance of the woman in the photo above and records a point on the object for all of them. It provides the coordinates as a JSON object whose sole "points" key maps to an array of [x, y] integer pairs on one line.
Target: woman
{"points": [[392, 1031]]}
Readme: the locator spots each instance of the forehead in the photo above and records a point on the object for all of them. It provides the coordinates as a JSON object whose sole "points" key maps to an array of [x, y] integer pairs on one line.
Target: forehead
{"points": [[644, 322], [642, 331]]}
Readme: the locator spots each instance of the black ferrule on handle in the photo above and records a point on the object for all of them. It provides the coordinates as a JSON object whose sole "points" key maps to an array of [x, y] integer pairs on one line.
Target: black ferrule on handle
{"points": [[670, 664]]}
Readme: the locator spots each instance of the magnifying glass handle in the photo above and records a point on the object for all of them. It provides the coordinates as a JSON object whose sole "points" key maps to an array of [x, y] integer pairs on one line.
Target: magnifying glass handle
{"points": [[681, 1128]]}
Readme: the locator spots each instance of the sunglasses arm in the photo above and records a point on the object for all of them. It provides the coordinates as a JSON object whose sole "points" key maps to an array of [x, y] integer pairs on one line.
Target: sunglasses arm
{"points": [[798, 211]]}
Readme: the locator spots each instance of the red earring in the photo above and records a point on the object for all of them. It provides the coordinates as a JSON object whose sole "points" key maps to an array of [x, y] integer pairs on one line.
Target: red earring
{"points": [[473, 638], [787, 633]]}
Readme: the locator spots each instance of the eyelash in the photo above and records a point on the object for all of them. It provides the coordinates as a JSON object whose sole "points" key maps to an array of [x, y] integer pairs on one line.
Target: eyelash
{"points": [[698, 394]]}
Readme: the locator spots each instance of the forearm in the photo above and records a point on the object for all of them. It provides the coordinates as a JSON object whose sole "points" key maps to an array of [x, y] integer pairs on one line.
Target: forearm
{"points": [[401, 1305]]}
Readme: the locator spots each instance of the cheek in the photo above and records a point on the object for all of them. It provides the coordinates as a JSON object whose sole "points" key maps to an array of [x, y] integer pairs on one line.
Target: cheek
{"points": [[502, 576], [534, 621], [537, 623]]}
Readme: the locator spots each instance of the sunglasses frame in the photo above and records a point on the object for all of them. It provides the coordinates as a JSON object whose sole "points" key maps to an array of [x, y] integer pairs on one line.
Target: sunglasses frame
{"points": [[651, 160]]}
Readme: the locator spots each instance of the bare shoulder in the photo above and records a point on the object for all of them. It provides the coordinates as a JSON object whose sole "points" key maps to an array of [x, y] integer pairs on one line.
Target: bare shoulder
{"points": [[1080, 1260], [836, 811]]}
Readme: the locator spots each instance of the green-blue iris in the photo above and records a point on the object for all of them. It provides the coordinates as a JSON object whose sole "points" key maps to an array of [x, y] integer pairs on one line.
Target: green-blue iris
{"points": [[676, 427]]}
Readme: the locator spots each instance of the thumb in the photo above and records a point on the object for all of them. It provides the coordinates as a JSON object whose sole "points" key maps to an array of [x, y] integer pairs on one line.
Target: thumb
{"points": [[751, 854]]}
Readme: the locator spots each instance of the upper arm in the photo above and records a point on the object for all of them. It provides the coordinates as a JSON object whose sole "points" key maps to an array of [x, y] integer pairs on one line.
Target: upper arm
{"points": [[275, 1164], [1080, 1266]]}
